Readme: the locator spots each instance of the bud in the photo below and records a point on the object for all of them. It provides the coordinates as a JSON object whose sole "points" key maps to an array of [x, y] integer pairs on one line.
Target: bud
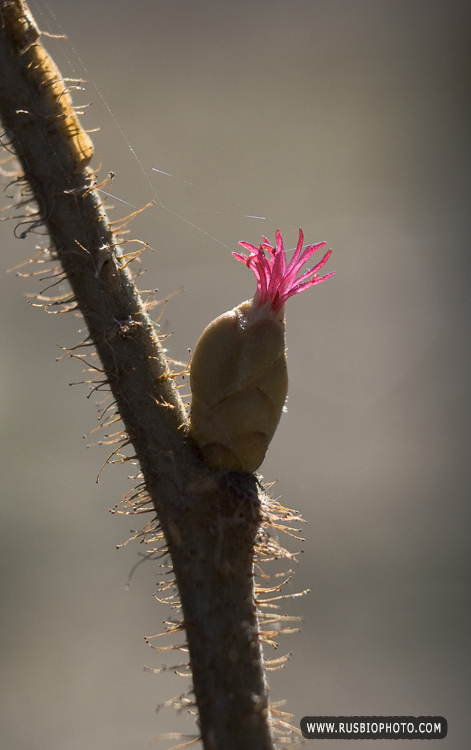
{"points": [[239, 376]]}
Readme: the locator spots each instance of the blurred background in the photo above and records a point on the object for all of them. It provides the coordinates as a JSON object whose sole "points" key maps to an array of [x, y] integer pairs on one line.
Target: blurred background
{"points": [[351, 119]]}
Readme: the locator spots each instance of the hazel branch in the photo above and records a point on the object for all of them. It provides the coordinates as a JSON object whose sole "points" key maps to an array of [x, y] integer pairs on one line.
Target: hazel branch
{"points": [[210, 519]]}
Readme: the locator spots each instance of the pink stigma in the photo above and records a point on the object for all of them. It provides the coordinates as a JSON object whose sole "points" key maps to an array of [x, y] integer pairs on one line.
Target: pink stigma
{"points": [[276, 281]]}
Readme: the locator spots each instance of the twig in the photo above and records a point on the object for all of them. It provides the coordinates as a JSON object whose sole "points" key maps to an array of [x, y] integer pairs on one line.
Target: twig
{"points": [[210, 519]]}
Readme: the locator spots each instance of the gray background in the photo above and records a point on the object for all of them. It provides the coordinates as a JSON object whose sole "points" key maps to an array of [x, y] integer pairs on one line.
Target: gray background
{"points": [[351, 119]]}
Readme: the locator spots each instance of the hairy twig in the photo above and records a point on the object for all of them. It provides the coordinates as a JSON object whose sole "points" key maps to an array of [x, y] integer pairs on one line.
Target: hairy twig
{"points": [[210, 519]]}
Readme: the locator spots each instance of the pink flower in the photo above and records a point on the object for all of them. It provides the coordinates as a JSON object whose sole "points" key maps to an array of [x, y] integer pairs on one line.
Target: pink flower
{"points": [[277, 281]]}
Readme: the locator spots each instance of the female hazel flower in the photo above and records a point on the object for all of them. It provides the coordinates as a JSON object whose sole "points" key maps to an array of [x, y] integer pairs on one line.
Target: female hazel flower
{"points": [[239, 377]]}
